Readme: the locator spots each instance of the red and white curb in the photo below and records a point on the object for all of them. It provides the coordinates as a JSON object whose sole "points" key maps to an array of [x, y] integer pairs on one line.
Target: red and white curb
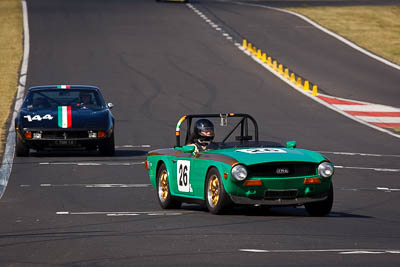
{"points": [[379, 115]]}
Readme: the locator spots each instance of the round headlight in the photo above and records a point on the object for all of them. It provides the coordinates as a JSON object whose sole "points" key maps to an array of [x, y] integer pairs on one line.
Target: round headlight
{"points": [[239, 172], [325, 169]]}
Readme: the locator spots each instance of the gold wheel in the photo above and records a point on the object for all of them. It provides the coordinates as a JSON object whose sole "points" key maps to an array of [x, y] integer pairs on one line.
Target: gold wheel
{"points": [[213, 191], [163, 186]]}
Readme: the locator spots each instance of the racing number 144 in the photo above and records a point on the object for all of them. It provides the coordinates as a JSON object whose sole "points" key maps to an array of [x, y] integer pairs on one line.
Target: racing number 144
{"points": [[182, 175]]}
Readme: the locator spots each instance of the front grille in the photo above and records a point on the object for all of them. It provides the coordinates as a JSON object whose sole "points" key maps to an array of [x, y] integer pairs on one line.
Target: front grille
{"points": [[57, 135], [280, 194], [283, 169]]}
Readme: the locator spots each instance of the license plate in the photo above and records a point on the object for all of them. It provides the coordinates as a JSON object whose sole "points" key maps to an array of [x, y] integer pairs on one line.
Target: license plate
{"points": [[65, 142]]}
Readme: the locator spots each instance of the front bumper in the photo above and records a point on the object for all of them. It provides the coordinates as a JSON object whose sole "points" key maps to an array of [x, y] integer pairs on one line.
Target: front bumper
{"points": [[276, 202], [54, 139]]}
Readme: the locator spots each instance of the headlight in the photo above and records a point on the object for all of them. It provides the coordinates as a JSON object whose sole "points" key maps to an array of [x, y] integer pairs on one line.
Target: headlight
{"points": [[325, 169], [239, 172], [37, 135], [92, 134]]}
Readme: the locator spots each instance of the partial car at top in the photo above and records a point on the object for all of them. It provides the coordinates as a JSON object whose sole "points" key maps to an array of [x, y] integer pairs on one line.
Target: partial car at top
{"points": [[64, 117], [244, 171]]}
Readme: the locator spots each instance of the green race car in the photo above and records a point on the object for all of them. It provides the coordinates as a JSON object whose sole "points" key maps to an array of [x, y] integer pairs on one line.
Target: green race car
{"points": [[241, 172]]}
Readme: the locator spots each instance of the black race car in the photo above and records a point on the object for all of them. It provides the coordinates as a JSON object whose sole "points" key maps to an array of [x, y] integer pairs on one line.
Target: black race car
{"points": [[64, 117]]}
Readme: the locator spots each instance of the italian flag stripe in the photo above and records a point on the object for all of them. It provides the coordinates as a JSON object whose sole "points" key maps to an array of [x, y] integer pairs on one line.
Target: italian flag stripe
{"points": [[63, 86], [64, 116]]}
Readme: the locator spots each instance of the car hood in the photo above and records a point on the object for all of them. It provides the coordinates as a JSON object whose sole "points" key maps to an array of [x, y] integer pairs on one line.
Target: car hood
{"points": [[80, 118], [250, 156]]}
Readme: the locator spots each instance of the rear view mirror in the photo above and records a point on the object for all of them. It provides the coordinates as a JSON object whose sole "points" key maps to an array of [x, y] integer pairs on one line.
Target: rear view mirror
{"points": [[291, 144], [224, 120], [110, 105]]}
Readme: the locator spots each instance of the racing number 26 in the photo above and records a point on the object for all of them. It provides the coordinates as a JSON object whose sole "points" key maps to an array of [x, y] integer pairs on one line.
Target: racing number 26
{"points": [[182, 175]]}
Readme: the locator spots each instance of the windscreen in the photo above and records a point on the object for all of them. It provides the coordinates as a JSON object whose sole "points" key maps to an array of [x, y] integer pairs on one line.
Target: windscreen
{"points": [[230, 134], [76, 98]]}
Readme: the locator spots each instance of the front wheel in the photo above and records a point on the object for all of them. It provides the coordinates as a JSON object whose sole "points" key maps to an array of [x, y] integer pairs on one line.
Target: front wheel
{"points": [[107, 147], [21, 150], [165, 198], [321, 208], [217, 200]]}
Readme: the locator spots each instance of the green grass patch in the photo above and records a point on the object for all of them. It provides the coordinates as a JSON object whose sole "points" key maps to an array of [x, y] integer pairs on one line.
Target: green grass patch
{"points": [[375, 28], [10, 58]]}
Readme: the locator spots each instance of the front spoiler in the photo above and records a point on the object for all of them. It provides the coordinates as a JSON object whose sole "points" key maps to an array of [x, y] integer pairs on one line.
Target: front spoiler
{"points": [[276, 202]]}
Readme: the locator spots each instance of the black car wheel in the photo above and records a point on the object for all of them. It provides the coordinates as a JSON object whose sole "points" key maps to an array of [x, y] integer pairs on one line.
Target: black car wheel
{"points": [[217, 200], [21, 150], [321, 208], [165, 198], [107, 147]]}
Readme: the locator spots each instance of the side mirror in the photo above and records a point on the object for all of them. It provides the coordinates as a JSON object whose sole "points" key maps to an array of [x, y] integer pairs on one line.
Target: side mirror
{"points": [[187, 149], [110, 105], [291, 144]]}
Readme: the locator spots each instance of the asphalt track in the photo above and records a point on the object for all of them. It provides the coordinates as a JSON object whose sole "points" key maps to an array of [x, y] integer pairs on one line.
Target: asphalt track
{"points": [[156, 62]]}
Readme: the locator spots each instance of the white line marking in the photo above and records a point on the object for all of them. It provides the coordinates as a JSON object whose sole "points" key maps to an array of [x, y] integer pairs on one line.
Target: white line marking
{"points": [[359, 154], [127, 214], [367, 168], [386, 189], [97, 185], [379, 189], [340, 251], [370, 107], [9, 150], [362, 252], [89, 164], [380, 119], [94, 163], [124, 213]]}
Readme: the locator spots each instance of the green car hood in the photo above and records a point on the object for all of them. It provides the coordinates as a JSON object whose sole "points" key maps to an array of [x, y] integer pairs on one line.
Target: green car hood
{"points": [[249, 156]]}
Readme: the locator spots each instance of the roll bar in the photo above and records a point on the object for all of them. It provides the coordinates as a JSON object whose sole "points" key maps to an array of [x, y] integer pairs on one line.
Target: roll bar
{"points": [[243, 123]]}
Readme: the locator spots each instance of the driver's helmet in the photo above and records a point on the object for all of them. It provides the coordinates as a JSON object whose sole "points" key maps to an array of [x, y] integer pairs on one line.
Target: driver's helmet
{"points": [[85, 97], [204, 132]]}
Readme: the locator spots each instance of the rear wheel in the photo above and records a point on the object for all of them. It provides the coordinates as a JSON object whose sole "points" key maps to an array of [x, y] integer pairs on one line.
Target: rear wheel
{"points": [[165, 198], [107, 147], [321, 208], [217, 200], [21, 150]]}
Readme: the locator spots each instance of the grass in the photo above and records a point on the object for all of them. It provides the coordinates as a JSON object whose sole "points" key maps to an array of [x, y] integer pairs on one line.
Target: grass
{"points": [[375, 28], [10, 58]]}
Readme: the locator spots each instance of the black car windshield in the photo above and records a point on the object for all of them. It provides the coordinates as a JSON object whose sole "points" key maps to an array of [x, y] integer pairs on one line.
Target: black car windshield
{"points": [[52, 98]]}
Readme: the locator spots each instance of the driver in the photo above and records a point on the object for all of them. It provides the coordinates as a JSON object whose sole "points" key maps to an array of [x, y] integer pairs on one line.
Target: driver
{"points": [[84, 99], [203, 134]]}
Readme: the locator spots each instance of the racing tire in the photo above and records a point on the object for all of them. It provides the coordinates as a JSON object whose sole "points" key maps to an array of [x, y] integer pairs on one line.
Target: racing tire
{"points": [[166, 200], [321, 208], [107, 147], [21, 150], [217, 200]]}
